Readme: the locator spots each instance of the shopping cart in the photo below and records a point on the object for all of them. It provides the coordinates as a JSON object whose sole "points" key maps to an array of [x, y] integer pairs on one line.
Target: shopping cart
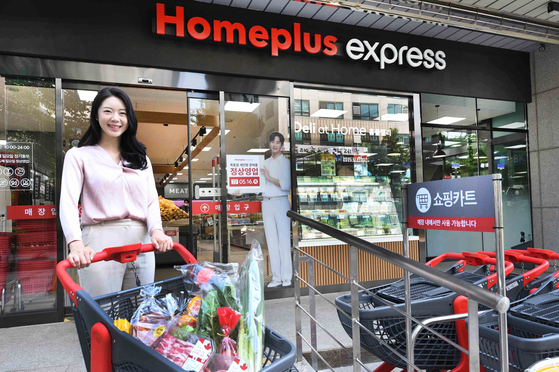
{"points": [[533, 333], [533, 324], [428, 300], [105, 348]]}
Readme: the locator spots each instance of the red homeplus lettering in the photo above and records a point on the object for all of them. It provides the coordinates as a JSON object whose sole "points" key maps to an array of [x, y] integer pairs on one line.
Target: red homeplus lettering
{"points": [[276, 38]]}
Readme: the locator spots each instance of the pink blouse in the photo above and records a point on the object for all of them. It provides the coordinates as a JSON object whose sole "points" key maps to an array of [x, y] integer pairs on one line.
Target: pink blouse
{"points": [[109, 191]]}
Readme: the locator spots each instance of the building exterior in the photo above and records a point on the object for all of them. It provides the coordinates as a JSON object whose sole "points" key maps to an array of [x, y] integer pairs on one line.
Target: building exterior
{"points": [[362, 111]]}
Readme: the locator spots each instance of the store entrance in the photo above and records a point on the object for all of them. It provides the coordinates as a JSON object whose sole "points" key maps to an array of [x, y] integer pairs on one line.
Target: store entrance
{"points": [[190, 140]]}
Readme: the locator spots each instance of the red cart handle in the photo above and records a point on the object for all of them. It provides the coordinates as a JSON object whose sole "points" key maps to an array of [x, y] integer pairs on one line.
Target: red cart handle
{"points": [[518, 256], [122, 254]]}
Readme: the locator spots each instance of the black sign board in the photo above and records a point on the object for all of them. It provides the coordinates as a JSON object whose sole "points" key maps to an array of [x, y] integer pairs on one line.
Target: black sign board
{"points": [[176, 191], [462, 204]]}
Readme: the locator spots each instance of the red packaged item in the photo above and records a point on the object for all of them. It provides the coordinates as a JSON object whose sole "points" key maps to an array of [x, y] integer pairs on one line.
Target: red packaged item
{"points": [[177, 351], [228, 319]]}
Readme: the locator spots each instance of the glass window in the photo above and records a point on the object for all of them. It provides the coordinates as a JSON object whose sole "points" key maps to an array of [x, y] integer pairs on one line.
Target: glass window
{"points": [[350, 174], [510, 158], [501, 114], [365, 111], [302, 107], [448, 110], [28, 238]]}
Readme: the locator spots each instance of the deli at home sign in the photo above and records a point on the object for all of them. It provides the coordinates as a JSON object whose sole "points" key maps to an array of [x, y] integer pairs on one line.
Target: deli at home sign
{"points": [[462, 204], [278, 39]]}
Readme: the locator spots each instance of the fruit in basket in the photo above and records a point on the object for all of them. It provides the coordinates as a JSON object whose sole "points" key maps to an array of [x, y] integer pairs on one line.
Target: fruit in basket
{"points": [[169, 211], [123, 325]]}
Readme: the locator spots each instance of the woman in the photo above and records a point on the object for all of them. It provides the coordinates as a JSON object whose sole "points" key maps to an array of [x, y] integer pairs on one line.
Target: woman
{"points": [[111, 172]]}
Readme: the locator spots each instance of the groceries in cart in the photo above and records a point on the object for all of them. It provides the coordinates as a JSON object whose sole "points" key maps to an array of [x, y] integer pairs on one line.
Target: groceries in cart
{"points": [[218, 326]]}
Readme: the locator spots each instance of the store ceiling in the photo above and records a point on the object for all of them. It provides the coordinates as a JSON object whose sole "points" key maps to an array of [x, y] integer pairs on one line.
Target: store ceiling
{"points": [[509, 24]]}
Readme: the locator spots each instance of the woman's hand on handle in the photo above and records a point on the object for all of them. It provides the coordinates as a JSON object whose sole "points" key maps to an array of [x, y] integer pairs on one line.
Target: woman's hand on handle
{"points": [[161, 242], [80, 256]]}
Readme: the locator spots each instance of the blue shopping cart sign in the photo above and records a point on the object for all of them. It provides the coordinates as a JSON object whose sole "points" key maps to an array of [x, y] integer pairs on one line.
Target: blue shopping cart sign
{"points": [[462, 204]]}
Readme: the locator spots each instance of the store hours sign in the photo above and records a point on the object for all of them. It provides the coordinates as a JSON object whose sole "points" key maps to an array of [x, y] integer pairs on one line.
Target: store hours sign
{"points": [[243, 173], [16, 164], [462, 204]]}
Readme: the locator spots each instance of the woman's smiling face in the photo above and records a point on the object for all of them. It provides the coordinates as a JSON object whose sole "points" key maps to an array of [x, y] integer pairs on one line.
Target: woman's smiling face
{"points": [[112, 118]]}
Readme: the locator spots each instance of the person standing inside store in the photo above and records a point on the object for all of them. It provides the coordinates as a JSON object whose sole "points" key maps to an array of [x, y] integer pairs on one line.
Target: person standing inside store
{"points": [[110, 172], [275, 205]]}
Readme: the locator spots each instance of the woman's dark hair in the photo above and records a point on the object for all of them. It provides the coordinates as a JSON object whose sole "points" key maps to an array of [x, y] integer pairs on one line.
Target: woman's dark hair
{"points": [[273, 136], [131, 150]]}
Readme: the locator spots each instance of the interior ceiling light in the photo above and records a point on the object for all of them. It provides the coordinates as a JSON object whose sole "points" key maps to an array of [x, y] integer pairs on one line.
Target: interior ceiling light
{"points": [[202, 131], [395, 117], [226, 132], [523, 172], [193, 142], [179, 174], [241, 106], [458, 145], [398, 171], [394, 154], [384, 164], [328, 113], [175, 178], [87, 95], [193, 160], [171, 181], [516, 125], [368, 153], [446, 120], [206, 149], [257, 150], [500, 157], [515, 147], [205, 179]]}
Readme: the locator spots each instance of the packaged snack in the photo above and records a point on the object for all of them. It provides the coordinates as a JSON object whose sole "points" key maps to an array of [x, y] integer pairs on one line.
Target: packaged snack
{"points": [[123, 325], [228, 319], [193, 307], [187, 322], [251, 332]]}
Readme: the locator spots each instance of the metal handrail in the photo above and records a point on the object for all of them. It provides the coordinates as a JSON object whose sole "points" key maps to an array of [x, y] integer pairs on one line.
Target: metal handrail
{"points": [[487, 298]]}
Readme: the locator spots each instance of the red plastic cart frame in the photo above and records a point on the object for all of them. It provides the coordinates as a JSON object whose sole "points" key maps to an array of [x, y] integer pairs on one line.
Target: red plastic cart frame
{"points": [[100, 336]]}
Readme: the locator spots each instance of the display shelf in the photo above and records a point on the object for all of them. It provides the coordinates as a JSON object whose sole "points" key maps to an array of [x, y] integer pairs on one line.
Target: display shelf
{"points": [[363, 209]]}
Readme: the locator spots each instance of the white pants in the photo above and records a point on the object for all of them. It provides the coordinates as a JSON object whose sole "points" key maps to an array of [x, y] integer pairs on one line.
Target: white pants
{"points": [[277, 227], [110, 276]]}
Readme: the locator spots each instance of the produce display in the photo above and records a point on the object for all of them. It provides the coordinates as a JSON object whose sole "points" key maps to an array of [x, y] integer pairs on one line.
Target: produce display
{"points": [[218, 327], [169, 211]]}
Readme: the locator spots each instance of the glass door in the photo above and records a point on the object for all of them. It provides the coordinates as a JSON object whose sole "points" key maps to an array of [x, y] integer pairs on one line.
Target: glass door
{"points": [[204, 175], [28, 236], [259, 182]]}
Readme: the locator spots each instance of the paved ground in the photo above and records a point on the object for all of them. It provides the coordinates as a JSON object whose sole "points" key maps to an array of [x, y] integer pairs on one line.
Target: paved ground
{"points": [[55, 347]]}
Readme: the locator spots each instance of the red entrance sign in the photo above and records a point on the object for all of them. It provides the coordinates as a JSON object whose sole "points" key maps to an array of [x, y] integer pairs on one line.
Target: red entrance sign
{"points": [[484, 224], [211, 207], [31, 212]]}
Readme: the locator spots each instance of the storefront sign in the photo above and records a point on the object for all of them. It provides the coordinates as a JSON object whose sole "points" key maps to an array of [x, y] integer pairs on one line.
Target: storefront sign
{"points": [[236, 33], [463, 204], [243, 173], [294, 39], [337, 128], [176, 191], [16, 162], [211, 207], [31, 212]]}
